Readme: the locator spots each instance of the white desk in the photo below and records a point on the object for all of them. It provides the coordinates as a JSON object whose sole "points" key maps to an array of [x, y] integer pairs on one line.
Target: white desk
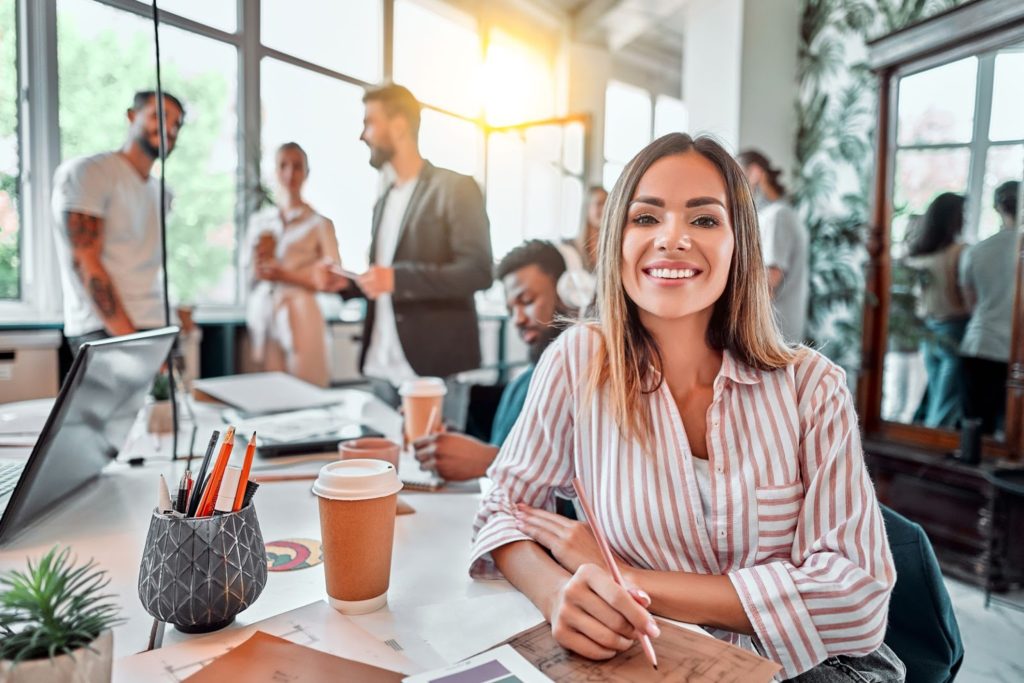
{"points": [[109, 521]]}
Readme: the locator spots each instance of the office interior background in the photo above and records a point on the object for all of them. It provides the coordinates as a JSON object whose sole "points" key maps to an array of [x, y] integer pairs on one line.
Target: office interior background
{"points": [[539, 100]]}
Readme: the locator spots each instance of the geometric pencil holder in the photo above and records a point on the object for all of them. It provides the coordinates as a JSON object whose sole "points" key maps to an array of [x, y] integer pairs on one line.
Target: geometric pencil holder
{"points": [[198, 573]]}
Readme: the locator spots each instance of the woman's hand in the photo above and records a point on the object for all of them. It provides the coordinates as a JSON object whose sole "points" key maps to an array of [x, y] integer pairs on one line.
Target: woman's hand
{"points": [[270, 270], [595, 617], [571, 543]]}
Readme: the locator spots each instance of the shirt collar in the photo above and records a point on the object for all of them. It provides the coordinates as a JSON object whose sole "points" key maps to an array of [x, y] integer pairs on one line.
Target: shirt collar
{"points": [[737, 371]]}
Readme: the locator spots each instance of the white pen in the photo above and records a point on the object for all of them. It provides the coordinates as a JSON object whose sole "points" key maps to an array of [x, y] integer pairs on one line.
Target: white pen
{"points": [[163, 497]]}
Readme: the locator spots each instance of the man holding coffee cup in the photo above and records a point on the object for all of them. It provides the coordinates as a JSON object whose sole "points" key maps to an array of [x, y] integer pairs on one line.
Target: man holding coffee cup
{"points": [[530, 274], [430, 251]]}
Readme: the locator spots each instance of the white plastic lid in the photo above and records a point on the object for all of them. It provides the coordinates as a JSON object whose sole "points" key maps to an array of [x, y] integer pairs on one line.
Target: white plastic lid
{"points": [[424, 386], [358, 479]]}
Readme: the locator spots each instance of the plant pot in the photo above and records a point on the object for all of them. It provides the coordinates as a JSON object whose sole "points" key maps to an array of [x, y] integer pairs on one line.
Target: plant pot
{"points": [[90, 664], [159, 419]]}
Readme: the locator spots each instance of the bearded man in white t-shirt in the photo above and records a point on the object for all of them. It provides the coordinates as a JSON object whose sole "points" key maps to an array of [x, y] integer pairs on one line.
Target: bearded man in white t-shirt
{"points": [[106, 210]]}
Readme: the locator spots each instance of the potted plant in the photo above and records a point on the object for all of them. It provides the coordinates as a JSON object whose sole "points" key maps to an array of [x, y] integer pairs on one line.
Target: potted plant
{"points": [[159, 418], [55, 622]]}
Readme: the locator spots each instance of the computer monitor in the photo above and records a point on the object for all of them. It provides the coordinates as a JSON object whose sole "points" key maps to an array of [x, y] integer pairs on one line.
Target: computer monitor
{"points": [[96, 407]]}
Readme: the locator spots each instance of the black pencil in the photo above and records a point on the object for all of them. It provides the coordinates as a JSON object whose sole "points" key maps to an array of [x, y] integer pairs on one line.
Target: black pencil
{"points": [[193, 502]]}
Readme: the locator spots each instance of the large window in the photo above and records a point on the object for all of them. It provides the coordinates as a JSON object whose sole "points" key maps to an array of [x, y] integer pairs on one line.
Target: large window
{"points": [[967, 144], [632, 118], [9, 154], [105, 55], [254, 75], [325, 116]]}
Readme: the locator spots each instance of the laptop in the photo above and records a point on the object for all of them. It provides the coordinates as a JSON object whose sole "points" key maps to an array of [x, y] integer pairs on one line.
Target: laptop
{"points": [[95, 409]]}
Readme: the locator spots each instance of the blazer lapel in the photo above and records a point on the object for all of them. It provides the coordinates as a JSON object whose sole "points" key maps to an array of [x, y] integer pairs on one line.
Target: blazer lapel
{"points": [[378, 212]]}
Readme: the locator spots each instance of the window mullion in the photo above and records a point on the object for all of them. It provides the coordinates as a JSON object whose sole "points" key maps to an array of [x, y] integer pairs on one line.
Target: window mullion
{"points": [[40, 144], [980, 143]]}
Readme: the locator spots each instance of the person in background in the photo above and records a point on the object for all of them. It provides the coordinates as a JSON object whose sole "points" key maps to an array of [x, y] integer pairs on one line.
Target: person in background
{"points": [[784, 242], [285, 245], [106, 211], [529, 274], [586, 243], [725, 466], [430, 252], [934, 252], [986, 276], [577, 286]]}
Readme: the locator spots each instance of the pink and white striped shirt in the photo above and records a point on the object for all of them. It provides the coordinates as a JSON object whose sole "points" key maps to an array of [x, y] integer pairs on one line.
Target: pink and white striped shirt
{"points": [[795, 524]]}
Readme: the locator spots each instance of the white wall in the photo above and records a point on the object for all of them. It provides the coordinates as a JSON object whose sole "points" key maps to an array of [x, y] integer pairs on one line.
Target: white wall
{"points": [[739, 73], [712, 54], [768, 82]]}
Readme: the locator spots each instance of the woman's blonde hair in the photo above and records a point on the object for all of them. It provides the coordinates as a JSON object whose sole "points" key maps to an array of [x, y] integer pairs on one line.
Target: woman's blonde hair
{"points": [[628, 361]]}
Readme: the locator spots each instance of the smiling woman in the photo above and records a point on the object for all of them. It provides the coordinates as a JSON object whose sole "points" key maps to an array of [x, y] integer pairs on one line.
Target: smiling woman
{"points": [[712, 449]]}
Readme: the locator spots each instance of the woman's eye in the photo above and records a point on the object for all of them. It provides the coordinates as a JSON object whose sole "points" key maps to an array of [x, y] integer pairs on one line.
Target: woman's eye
{"points": [[706, 221], [644, 219]]}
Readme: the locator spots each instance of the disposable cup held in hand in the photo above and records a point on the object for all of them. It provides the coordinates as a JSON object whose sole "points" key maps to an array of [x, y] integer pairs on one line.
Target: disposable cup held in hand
{"points": [[357, 522], [422, 400]]}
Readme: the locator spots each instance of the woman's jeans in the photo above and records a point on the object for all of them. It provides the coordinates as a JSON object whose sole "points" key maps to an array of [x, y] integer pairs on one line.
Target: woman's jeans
{"points": [[942, 361], [881, 666]]}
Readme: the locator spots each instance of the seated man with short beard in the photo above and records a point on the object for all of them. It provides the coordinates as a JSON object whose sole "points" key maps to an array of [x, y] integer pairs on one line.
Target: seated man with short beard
{"points": [[529, 273]]}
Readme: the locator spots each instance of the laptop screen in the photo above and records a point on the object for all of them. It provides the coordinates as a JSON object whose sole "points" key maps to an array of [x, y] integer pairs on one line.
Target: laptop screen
{"points": [[95, 409]]}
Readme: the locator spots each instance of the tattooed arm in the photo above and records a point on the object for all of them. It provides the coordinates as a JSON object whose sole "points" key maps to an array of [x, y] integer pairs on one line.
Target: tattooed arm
{"points": [[85, 233]]}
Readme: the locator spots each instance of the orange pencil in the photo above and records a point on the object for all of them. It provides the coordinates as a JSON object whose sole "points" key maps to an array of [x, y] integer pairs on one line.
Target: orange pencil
{"points": [[213, 482], [609, 559], [244, 476]]}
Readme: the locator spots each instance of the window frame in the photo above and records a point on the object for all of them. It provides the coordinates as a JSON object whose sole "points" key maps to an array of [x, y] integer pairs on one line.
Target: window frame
{"points": [[978, 146], [39, 136]]}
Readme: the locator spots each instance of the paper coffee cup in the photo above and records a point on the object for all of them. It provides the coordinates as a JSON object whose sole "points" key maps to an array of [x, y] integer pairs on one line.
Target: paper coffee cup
{"points": [[370, 447], [357, 501], [422, 398]]}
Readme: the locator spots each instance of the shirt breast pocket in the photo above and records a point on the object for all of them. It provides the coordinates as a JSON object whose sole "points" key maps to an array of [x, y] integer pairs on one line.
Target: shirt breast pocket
{"points": [[778, 510]]}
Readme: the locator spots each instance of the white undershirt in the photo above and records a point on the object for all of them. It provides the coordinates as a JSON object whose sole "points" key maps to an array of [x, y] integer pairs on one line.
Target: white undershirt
{"points": [[385, 358], [702, 468]]}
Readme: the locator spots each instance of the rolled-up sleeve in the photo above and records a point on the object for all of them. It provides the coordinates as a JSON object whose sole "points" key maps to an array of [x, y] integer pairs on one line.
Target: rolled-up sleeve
{"points": [[534, 462], [832, 595]]}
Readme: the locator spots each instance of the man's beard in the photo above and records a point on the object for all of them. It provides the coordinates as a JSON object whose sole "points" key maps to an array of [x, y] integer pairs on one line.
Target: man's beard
{"points": [[547, 335], [380, 156], [148, 149]]}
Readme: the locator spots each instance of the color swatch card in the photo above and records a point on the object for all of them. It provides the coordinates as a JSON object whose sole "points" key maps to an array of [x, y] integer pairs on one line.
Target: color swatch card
{"points": [[500, 665]]}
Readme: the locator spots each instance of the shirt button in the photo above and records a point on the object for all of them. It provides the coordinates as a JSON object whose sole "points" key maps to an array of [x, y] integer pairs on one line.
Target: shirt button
{"points": [[719, 469], [721, 534]]}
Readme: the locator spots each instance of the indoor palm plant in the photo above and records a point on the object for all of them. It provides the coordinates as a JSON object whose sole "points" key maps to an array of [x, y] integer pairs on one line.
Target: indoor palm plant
{"points": [[55, 622]]}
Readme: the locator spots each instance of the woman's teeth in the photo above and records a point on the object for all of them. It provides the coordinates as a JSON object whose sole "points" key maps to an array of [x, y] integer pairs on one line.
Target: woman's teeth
{"points": [[673, 273]]}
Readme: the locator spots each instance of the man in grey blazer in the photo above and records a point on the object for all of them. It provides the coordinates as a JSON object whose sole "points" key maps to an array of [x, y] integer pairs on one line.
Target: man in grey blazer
{"points": [[430, 251]]}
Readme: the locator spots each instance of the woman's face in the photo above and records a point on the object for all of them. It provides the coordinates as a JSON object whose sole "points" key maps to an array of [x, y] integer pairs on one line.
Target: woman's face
{"points": [[291, 170], [678, 240]]}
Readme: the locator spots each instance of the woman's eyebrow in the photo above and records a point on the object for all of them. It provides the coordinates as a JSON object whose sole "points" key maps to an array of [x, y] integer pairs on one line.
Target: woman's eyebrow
{"points": [[653, 201], [701, 201]]}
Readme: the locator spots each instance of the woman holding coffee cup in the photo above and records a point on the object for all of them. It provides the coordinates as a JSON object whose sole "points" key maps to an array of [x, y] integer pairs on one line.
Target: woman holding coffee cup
{"points": [[724, 467], [285, 244]]}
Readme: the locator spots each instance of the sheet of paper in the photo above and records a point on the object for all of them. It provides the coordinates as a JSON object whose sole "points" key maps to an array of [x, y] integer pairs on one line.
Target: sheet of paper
{"points": [[682, 656], [501, 665], [264, 392], [460, 629], [316, 625], [264, 658]]}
